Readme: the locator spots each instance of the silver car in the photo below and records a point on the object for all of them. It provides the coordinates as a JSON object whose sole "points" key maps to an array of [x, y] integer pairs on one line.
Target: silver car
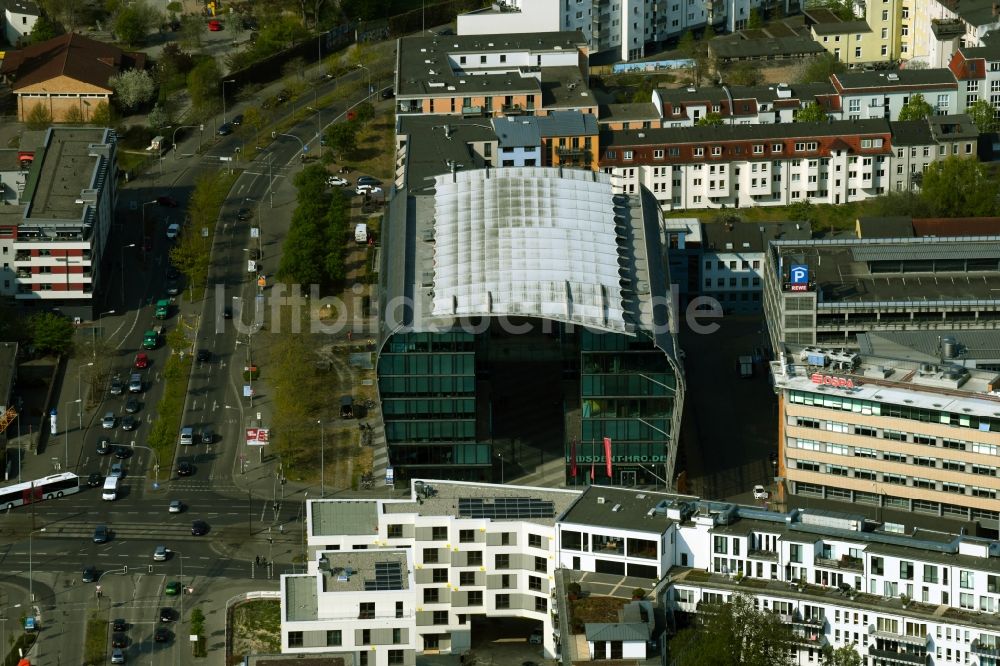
{"points": [[109, 421], [160, 554]]}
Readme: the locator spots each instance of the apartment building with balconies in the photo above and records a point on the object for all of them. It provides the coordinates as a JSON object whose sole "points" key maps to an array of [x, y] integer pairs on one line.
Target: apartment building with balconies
{"points": [[66, 210], [977, 70], [883, 94], [485, 76], [938, 28]]}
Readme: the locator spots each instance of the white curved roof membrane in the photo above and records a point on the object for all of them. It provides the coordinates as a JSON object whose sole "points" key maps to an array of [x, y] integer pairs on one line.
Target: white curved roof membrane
{"points": [[529, 242]]}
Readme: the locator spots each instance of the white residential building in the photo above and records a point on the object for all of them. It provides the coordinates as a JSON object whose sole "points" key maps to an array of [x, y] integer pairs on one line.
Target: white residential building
{"points": [[19, 20], [899, 595], [883, 94]]}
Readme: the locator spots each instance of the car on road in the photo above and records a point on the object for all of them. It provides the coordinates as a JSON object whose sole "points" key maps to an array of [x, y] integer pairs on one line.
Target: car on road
{"points": [[204, 356], [173, 231], [117, 656], [368, 189], [176, 506], [337, 181], [536, 637], [132, 405], [122, 452], [129, 422], [225, 129], [172, 272], [184, 468], [117, 386], [244, 214], [109, 421], [119, 624], [166, 614], [369, 180], [141, 360], [160, 554], [237, 120], [207, 435], [89, 574], [119, 640], [173, 588], [135, 383], [187, 436], [95, 479], [101, 534], [117, 471], [199, 528], [214, 25], [104, 447], [169, 202], [173, 288], [759, 492], [162, 635]]}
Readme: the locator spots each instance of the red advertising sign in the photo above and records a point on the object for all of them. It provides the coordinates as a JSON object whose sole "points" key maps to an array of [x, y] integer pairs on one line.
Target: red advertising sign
{"points": [[830, 380], [799, 287], [257, 436]]}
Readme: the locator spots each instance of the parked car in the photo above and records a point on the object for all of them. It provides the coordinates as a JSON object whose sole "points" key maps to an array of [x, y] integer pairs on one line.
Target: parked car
{"points": [[237, 120], [225, 129], [214, 25], [368, 189], [199, 528], [109, 421], [536, 637], [369, 180], [759, 492], [337, 181], [169, 202], [176, 506], [388, 93], [173, 231], [101, 534], [104, 447], [95, 479]]}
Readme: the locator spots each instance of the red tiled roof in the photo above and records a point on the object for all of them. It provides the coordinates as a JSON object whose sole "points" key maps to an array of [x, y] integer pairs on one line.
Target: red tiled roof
{"points": [[71, 55], [956, 226]]}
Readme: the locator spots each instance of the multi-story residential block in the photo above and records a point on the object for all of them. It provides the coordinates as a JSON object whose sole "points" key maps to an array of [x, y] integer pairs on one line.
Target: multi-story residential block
{"points": [[54, 235], [898, 595], [938, 28], [883, 94], [920, 437], [479, 76], [977, 70], [732, 260], [828, 291], [738, 105]]}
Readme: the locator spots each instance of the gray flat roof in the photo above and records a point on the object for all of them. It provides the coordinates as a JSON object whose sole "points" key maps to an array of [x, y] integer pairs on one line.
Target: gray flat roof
{"points": [[636, 111], [300, 598], [363, 570], [925, 346], [429, 152], [68, 165], [723, 237], [622, 508], [772, 47], [344, 517], [565, 88]]}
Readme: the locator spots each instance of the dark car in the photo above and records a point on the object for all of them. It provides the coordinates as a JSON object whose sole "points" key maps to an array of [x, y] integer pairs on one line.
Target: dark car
{"points": [[122, 452], [369, 180], [132, 406], [101, 534], [166, 614], [169, 202], [119, 640], [204, 356], [184, 468], [283, 96], [244, 214], [225, 129], [173, 288], [172, 273], [207, 435], [95, 479], [129, 422], [388, 93], [237, 120], [89, 575], [117, 386], [199, 528], [104, 447], [227, 312], [119, 624], [162, 635]]}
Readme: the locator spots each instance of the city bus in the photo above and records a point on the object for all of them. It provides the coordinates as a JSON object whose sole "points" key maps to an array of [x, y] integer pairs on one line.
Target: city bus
{"points": [[56, 485]]}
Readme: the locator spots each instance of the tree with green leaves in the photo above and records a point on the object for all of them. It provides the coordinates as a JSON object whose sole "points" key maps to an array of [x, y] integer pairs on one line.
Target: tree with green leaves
{"points": [[735, 633], [39, 117], [101, 115], [204, 85], [916, 108], [342, 137], [192, 30], [959, 187], [804, 211], [158, 118], [364, 112], [133, 88], [811, 113], [51, 333], [711, 119], [74, 116], [755, 21], [744, 74], [984, 115], [819, 70], [845, 655], [44, 29], [173, 62]]}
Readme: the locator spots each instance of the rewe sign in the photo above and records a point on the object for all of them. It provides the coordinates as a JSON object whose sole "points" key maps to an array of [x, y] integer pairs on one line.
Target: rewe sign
{"points": [[830, 380]]}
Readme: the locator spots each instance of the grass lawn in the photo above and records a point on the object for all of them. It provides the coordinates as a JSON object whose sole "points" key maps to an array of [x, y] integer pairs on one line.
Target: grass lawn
{"points": [[256, 628], [830, 217], [376, 151], [95, 647]]}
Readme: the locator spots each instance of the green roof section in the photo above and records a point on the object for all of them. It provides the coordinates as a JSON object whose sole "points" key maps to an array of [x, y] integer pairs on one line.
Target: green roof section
{"points": [[330, 518]]}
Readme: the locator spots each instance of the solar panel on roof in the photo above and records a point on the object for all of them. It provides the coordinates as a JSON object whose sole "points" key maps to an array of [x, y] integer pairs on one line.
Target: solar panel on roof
{"points": [[388, 576], [505, 508]]}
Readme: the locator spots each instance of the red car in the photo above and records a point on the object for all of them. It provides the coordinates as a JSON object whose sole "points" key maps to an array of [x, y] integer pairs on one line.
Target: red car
{"points": [[169, 202], [141, 360], [214, 25]]}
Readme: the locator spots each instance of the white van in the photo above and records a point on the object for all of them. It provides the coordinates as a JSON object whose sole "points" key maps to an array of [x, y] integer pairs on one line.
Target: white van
{"points": [[361, 233], [110, 488]]}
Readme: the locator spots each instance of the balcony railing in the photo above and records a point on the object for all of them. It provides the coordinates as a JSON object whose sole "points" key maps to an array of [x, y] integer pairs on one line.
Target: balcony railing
{"points": [[985, 650], [472, 111], [893, 657], [845, 562], [512, 109], [763, 555], [569, 151]]}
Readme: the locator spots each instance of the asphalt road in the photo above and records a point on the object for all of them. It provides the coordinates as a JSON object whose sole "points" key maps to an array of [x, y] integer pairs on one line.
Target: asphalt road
{"points": [[132, 584]]}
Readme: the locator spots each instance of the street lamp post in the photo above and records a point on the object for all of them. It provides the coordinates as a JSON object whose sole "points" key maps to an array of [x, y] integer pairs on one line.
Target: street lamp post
{"points": [[156, 463], [173, 141], [79, 388], [121, 268], [360, 66], [31, 578], [66, 434], [99, 315], [319, 122], [224, 98]]}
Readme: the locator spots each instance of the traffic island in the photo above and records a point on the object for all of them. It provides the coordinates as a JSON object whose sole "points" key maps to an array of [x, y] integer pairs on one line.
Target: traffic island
{"points": [[95, 646]]}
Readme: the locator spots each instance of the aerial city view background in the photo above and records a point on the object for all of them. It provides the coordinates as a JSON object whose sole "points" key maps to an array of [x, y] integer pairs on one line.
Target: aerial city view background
{"points": [[449, 332]]}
